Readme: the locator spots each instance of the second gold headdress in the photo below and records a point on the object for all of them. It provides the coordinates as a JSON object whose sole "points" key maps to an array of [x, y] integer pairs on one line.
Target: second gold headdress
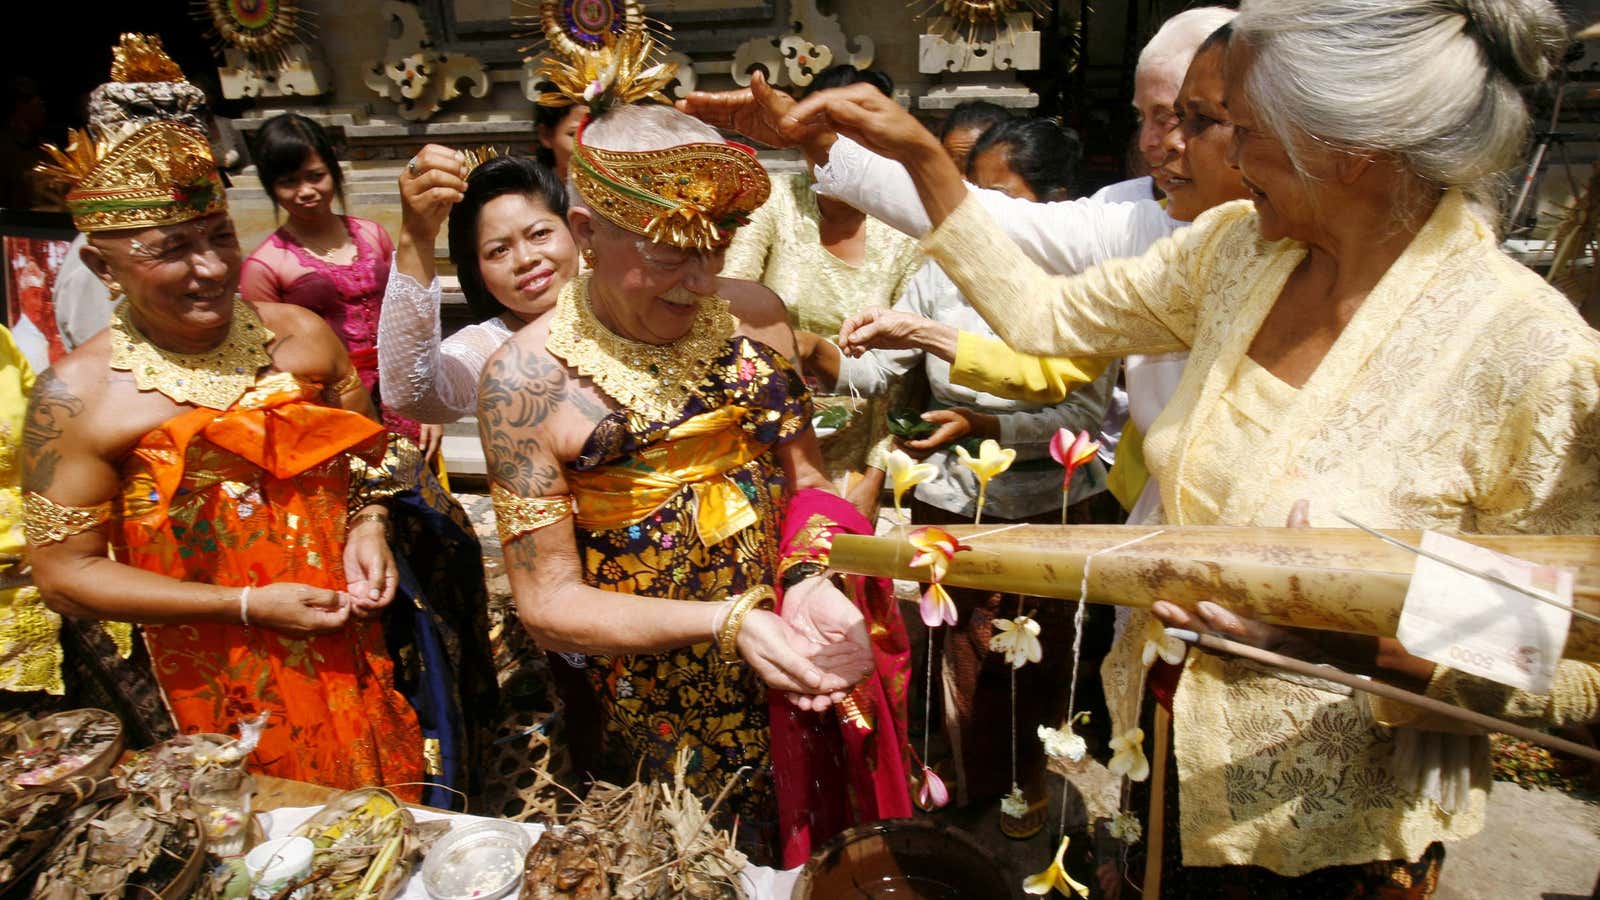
{"points": [[691, 196]]}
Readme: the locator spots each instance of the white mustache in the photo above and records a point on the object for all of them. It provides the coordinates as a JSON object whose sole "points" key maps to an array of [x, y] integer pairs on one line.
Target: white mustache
{"points": [[681, 294]]}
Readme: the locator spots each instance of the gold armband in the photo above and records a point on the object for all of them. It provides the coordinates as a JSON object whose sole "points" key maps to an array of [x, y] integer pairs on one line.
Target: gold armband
{"points": [[350, 382], [49, 522], [762, 595], [517, 516]]}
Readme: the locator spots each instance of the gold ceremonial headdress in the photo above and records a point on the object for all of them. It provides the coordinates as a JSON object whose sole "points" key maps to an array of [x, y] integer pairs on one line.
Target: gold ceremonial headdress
{"points": [[691, 196], [143, 163]]}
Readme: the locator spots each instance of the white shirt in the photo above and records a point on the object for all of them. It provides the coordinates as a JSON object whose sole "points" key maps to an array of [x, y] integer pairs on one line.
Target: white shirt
{"points": [[419, 375], [1131, 191]]}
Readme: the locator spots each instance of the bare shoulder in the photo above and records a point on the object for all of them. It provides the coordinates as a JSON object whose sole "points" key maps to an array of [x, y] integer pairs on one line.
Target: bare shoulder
{"points": [[761, 313], [302, 344], [81, 373]]}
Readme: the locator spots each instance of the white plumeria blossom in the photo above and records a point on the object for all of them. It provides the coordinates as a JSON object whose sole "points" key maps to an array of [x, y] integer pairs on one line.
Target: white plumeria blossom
{"points": [[1018, 639], [1158, 643], [1125, 827], [1062, 743], [1014, 804], [1127, 756]]}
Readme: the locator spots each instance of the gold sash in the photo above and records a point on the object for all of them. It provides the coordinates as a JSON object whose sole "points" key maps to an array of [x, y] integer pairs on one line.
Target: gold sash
{"points": [[697, 453]]}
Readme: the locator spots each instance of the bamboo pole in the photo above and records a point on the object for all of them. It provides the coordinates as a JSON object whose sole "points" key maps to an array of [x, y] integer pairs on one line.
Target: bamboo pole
{"points": [[1336, 579]]}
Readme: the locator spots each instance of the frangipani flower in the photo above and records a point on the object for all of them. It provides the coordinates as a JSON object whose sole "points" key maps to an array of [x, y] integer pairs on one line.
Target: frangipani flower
{"points": [[1063, 743], [935, 548], [991, 461], [1018, 639], [1071, 452], [1127, 757], [1158, 643], [931, 793], [1014, 804], [1125, 827], [1055, 878], [906, 473]]}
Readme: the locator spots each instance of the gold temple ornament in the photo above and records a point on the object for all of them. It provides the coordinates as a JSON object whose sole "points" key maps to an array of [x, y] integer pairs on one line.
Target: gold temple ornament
{"points": [[650, 380], [140, 58], [215, 379]]}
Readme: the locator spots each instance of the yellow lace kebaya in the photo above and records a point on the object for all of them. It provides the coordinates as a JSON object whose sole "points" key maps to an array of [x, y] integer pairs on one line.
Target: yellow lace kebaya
{"points": [[1464, 395]]}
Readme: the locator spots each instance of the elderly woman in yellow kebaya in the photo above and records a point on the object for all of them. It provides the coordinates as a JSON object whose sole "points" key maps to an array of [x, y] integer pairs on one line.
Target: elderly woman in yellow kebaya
{"points": [[1358, 340]]}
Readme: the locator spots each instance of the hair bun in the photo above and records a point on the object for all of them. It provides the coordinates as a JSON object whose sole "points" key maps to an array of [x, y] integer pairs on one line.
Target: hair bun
{"points": [[1524, 39]]}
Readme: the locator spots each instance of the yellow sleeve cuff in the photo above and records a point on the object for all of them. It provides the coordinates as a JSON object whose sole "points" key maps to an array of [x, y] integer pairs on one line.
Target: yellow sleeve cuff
{"points": [[987, 364]]}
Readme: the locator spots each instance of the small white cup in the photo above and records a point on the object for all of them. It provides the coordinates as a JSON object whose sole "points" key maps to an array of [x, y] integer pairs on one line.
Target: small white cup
{"points": [[275, 863]]}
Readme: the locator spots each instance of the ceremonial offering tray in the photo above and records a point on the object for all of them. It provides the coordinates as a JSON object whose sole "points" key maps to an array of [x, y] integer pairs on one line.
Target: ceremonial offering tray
{"points": [[45, 753], [365, 840], [480, 861]]}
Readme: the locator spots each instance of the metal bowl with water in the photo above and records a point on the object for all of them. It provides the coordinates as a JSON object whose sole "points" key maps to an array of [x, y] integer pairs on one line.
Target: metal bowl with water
{"points": [[480, 861], [902, 859]]}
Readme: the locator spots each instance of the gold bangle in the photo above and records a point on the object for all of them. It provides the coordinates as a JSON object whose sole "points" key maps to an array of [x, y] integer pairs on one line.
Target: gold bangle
{"points": [[762, 595], [517, 516], [368, 518], [47, 522]]}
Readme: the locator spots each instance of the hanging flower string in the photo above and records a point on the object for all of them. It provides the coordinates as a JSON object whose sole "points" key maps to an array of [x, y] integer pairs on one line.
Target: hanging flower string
{"points": [[1071, 452], [935, 549], [1055, 878], [990, 461]]}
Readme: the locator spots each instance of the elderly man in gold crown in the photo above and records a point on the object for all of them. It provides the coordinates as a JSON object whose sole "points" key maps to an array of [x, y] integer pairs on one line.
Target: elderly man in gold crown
{"points": [[210, 444], [660, 496]]}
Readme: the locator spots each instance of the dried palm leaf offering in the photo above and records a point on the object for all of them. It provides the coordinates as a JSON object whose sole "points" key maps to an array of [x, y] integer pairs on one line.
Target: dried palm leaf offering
{"points": [[366, 844], [129, 849]]}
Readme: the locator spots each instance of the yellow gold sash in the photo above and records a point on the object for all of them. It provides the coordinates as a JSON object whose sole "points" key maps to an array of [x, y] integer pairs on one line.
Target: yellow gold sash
{"points": [[699, 454]]}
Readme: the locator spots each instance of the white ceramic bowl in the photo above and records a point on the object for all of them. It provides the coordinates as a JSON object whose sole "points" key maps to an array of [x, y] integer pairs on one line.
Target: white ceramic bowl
{"points": [[480, 861]]}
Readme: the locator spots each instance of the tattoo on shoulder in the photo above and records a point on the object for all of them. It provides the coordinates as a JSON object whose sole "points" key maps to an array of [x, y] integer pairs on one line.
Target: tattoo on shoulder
{"points": [[51, 404], [519, 391]]}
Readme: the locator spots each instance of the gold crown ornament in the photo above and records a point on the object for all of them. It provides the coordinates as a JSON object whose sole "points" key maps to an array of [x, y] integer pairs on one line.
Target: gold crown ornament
{"points": [[161, 174], [141, 58], [691, 196]]}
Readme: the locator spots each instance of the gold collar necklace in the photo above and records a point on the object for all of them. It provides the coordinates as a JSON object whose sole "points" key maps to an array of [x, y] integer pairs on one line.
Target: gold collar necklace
{"points": [[651, 380], [215, 379]]}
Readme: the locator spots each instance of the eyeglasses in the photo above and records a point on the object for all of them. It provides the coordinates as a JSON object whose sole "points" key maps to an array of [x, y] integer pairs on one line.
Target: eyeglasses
{"points": [[673, 259]]}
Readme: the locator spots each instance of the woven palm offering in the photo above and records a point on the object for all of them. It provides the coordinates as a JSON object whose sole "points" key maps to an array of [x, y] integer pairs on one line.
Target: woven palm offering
{"points": [[128, 849], [366, 842], [640, 842]]}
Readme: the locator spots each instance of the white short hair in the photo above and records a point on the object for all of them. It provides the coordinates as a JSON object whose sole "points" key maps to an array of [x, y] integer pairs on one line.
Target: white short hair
{"points": [[643, 126], [1175, 42], [1434, 83]]}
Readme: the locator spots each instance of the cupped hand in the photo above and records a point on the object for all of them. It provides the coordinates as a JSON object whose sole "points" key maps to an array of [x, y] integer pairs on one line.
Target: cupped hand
{"points": [[818, 611], [369, 567], [782, 656], [298, 610], [954, 424], [431, 183]]}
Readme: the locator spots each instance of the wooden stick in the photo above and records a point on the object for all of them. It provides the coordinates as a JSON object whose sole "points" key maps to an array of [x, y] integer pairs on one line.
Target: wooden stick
{"points": [[1155, 842], [1388, 691]]}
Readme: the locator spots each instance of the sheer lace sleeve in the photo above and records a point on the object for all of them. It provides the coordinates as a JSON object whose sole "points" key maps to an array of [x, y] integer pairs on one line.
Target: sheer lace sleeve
{"points": [[420, 376]]}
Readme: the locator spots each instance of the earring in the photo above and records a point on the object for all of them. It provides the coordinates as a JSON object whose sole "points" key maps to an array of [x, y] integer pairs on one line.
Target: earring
{"points": [[116, 288], [588, 256]]}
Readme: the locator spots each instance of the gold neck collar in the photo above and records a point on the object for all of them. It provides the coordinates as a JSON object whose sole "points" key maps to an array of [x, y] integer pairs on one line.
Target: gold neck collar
{"points": [[650, 380], [215, 379]]}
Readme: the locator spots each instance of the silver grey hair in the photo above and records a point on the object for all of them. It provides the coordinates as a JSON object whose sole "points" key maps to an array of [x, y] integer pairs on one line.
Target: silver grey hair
{"points": [[1174, 44], [1433, 83], [649, 126]]}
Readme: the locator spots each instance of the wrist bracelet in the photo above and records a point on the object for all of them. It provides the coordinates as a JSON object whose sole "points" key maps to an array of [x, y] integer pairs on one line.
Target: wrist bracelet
{"points": [[728, 636], [244, 606], [369, 517]]}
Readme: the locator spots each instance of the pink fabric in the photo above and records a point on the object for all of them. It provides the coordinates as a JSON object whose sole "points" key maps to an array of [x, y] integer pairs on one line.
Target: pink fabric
{"points": [[349, 297], [830, 774]]}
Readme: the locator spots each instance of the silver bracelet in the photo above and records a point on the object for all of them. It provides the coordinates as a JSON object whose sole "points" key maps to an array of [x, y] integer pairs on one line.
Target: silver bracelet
{"points": [[244, 606]]}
